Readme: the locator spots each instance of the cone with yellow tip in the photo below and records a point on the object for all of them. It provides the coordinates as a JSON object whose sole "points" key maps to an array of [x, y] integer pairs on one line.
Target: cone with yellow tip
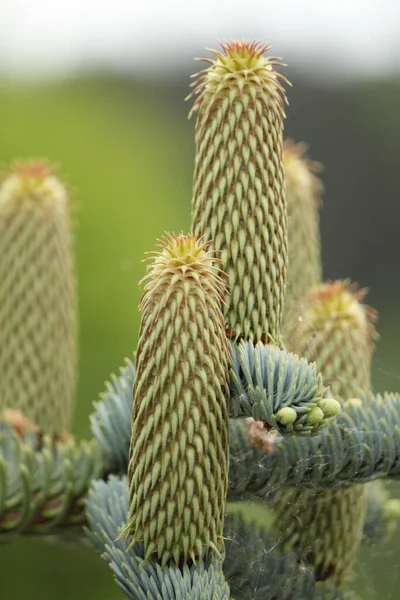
{"points": [[179, 445], [38, 313], [239, 193]]}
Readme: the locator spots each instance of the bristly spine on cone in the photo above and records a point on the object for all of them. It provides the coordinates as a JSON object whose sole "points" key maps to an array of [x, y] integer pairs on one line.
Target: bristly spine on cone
{"points": [[239, 194], [179, 444], [38, 312]]}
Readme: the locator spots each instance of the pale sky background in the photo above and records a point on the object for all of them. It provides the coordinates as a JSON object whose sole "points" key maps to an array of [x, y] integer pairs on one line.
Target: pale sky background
{"points": [[44, 37]]}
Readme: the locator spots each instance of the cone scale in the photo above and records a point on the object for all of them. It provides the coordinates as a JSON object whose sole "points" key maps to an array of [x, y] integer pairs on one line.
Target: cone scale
{"points": [[238, 193], [179, 445], [38, 320]]}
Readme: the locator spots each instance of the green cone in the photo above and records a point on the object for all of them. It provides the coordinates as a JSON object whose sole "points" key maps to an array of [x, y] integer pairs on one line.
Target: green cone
{"points": [[325, 527], [179, 445], [38, 316], [303, 193], [239, 192]]}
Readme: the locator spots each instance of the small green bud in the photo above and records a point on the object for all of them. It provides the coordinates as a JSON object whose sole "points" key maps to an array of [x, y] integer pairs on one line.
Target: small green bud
{"points": [[286, 415], [330, 407], [315, 416], [391, 510]]}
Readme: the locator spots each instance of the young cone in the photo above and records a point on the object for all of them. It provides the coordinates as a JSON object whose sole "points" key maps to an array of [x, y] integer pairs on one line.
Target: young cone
{"points": [[325, 527], [239, 193], [303, 193], [179, 444], [38, 313]]}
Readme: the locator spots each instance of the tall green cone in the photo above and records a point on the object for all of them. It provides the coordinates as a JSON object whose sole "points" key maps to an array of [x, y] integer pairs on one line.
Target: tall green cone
{"points": [[239, 192], [325, 527], [179, 450], [303, 192], [38, 313]]}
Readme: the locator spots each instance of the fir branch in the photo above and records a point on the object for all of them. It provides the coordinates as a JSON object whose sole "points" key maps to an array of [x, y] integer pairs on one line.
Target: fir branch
{"points": [[111, 421], [43, 483], [279, 388], [256, 567], [383, 513], [263, 381], [107, 510], [245, 567], [361, 445], [340, 455]]}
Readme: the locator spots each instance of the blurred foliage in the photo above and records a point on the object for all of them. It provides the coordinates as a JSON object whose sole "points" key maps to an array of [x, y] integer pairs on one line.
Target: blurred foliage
{"points": [[127, 150]]}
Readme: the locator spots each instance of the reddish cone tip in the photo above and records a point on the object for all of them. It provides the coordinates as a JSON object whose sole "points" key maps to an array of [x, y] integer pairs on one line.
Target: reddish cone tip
{"points": [[300, 169], [186, 255], [33, 169], [343, 298], [239, 64]]}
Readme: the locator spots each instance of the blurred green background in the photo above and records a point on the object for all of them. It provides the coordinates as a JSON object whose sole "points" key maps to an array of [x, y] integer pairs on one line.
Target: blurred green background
{"points": [[126, 148]]}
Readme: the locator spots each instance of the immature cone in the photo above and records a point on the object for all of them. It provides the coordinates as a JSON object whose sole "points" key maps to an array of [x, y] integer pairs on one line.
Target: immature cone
{"points": [[325, 527], [303, 193], [38, 316], [179, 445], [239, 192]]}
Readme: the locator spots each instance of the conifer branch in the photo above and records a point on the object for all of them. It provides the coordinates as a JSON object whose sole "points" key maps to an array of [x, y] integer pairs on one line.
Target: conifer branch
{"points": [[245, 567], [361, 444], [279, 388], [107, 510], [111, 421], [43, 483]]}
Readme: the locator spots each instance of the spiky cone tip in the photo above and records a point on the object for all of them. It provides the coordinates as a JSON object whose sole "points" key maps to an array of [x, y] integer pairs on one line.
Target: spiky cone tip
{"points": [[179, 443], [38, 181], [239, 65], [301, 171]]}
